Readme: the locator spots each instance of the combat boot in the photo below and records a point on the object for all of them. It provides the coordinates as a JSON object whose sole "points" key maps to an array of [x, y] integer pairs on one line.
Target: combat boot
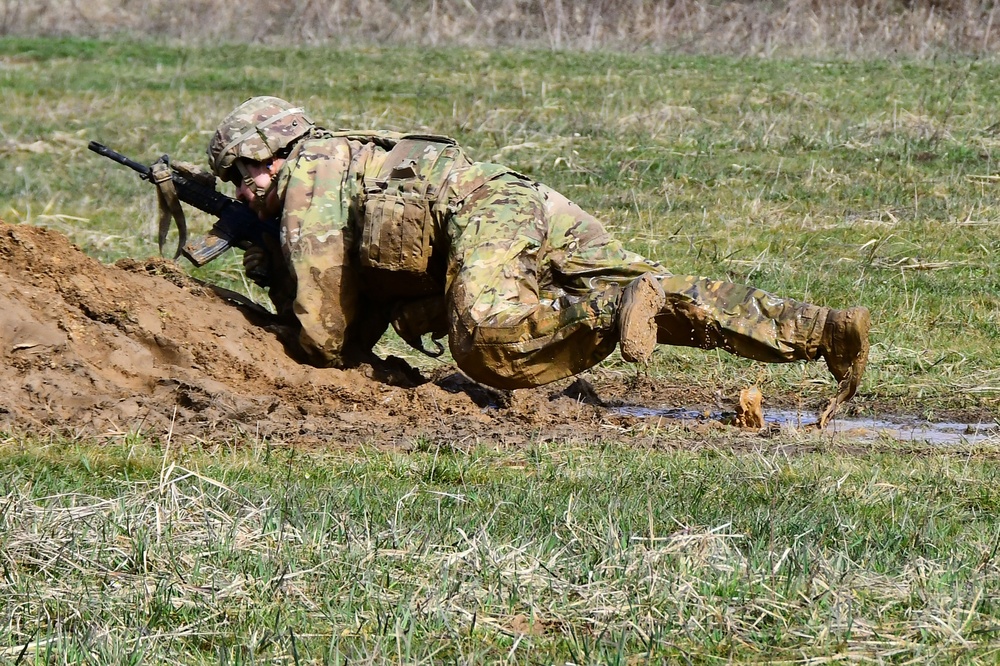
{"points": [[642, 300], [844, 346]]}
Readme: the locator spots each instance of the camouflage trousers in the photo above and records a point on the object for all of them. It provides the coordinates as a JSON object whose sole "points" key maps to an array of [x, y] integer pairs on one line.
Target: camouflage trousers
{"points": [[534, 284]]}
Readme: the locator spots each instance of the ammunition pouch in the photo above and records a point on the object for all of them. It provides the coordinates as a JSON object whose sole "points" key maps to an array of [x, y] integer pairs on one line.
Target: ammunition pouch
{"points": [[398, 231]]}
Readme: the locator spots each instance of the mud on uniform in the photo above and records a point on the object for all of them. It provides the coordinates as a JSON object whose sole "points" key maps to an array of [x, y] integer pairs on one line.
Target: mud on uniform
{"points": [[379, 226]]}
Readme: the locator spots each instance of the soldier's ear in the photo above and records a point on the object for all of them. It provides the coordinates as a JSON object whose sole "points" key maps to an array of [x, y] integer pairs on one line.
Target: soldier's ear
{"points": [[274, 165]]}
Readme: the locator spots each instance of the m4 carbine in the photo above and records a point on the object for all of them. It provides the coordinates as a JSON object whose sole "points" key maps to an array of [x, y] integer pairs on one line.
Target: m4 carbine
{"points": [[237, 225]]}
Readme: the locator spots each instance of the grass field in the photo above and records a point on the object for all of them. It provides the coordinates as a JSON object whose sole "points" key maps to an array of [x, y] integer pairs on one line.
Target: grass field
{"points": [[567, 553], [860, 28], [574, 552], [835, 181], [867, 182]]}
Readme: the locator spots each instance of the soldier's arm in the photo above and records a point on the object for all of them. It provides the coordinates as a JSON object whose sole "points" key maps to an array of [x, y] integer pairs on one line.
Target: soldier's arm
{"points": [[317, 237]]}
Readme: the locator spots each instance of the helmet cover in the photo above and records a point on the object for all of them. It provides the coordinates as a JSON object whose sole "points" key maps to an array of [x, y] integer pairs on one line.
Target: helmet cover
{"points": [[257, 130]]}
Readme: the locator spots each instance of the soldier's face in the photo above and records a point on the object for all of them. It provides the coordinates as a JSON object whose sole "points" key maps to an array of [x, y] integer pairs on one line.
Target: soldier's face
{"points": [[262, 174]]}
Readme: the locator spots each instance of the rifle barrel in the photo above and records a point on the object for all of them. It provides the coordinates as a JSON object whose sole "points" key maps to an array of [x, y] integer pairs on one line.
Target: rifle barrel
{"points": [[104, 151]]}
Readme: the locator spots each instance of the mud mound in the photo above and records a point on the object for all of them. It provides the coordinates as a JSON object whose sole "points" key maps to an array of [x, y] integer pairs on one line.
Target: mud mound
{"points": [[90, 349]]}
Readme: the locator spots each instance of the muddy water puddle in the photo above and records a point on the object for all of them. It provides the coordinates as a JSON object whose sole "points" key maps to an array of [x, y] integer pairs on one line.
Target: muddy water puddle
{"points": [[905, 429]]}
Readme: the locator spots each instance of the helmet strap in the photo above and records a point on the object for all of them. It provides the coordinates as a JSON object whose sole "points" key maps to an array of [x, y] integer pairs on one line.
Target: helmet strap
{"points": [[251, 184]]}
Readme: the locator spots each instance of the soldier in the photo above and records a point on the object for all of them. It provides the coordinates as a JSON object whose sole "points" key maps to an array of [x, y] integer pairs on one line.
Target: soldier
{"points": [[380, 227]]}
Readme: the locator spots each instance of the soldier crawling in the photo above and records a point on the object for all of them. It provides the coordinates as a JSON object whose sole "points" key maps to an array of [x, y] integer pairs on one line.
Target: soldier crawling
{"points": [[382, 228]]}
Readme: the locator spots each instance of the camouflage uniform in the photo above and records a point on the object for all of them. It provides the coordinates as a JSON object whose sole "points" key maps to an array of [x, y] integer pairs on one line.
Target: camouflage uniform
{"points": [[378, 227]]}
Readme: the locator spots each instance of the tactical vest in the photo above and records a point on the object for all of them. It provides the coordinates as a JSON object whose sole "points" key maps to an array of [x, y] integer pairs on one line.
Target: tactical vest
{"points": [[402, 236]]}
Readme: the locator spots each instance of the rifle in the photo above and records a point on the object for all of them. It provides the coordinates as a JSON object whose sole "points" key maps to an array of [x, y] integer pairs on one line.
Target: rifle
{"points": [[237, 225]]}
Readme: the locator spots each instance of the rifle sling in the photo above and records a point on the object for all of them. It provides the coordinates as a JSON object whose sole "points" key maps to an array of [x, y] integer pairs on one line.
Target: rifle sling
{"points": [[170, 206]]}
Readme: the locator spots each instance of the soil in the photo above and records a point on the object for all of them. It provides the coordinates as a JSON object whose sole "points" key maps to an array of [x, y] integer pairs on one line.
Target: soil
{"points": [[95, 350]]}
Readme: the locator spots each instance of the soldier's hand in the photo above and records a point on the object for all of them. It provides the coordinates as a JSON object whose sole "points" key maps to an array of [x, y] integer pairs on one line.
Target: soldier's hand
{"points": [[256, 265]]}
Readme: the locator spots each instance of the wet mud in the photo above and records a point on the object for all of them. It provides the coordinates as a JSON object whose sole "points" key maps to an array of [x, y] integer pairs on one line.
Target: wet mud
{"points": [[88, 349], [979, 429]]}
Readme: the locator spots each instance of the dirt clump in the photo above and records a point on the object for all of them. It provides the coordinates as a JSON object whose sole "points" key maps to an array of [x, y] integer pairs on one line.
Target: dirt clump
{"points": [[749, 409]]}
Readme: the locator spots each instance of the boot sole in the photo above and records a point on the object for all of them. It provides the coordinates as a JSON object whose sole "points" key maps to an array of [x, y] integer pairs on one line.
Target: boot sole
{"points": [[643, 299]]}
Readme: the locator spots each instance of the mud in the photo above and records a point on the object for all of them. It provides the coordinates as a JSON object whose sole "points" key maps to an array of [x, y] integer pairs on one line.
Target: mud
{"points": [[88, 349], [910, 429]]}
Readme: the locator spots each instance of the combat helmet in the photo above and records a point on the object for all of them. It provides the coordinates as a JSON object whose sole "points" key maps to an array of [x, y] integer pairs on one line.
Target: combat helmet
{"points": [[257, 130]]}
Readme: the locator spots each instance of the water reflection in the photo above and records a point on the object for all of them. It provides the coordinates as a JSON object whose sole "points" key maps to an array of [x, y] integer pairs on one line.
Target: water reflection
{"points": [[867, 428]]}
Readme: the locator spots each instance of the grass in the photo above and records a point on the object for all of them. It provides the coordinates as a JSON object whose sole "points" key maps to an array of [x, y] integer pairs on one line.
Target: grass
{"points": [[836, 182], [861, 28], [831, 180], [565, 552]]}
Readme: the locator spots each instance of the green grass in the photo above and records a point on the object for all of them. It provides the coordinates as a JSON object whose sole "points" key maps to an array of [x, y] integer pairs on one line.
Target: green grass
{"points": [[834, 182], [560, 553], [837, 182]]}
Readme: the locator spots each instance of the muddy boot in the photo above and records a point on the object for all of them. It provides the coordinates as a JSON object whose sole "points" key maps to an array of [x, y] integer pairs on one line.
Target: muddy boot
{"points": [[642, 300], [844, 346]]}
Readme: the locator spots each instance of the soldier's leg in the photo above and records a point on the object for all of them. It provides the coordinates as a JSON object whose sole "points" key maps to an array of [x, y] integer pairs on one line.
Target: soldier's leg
{"points": [[657, 307], [537, 295], [509, 326], [749, 322], [692, 311], [740, 319]]}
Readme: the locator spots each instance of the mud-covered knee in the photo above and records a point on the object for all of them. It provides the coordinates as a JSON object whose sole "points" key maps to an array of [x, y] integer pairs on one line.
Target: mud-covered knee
{"points": [[480, 363]]}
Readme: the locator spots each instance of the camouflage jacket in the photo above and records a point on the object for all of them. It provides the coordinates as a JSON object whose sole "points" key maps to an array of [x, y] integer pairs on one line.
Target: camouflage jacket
{"points": [[364, 224]]}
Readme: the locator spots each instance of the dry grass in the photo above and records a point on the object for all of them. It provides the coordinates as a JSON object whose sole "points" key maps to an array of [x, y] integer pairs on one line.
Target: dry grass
{"points": [[858, 28], [550, 555]]}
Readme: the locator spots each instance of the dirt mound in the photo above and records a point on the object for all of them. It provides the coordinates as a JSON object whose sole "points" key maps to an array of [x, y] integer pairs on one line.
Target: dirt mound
{"points": [[91, 349]]}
